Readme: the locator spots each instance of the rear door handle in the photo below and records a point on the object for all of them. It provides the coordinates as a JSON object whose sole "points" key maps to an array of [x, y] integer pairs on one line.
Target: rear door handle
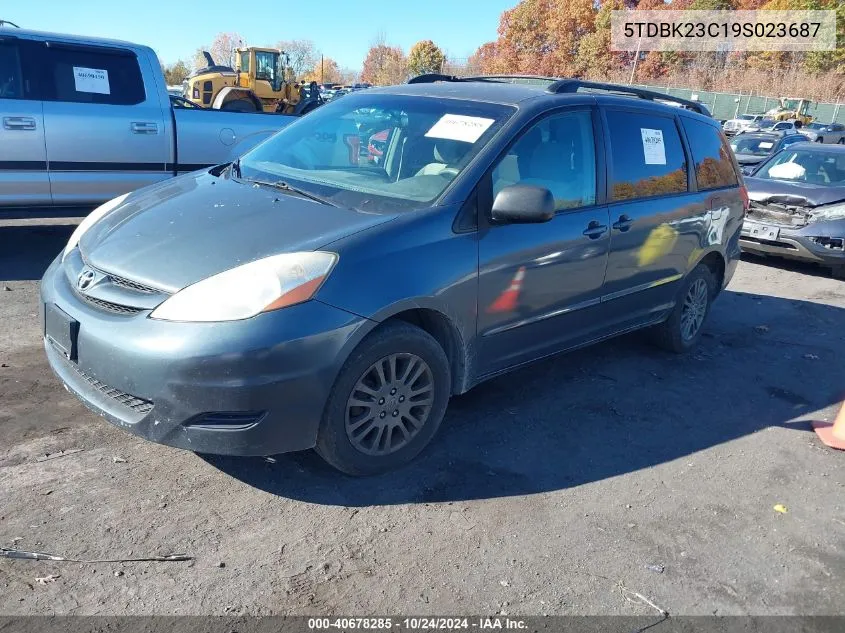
{"points": [[18, 123], [623, 223], [140, 127], [595, 230]]}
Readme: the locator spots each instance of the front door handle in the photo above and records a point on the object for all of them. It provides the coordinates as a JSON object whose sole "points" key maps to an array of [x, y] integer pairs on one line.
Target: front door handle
{"points": [[623, 223], [139, 127], [595, 230], [18, 123]]}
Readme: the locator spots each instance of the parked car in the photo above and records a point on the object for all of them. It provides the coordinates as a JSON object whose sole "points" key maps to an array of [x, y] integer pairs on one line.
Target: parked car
{"points": [[301, 297], [741, 123], [752, 148], [798, 206], [87, 119], [825, 132], [770, 125]]}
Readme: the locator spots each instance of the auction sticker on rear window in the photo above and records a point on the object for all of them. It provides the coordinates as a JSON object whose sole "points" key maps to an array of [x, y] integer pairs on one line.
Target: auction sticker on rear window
{"points": [[457, 127], [91, 80], [653, 148]]}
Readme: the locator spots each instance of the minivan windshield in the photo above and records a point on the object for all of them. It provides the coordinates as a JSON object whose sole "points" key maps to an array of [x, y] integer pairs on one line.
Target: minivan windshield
{"points": [[372, 151]]}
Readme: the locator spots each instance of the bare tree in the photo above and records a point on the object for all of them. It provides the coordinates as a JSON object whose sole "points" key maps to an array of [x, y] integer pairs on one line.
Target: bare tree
{"points": [[302, 54]]}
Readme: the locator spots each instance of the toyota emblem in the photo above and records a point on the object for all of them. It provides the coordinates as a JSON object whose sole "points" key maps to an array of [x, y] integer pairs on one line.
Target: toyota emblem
{"points": [[86, 279]]}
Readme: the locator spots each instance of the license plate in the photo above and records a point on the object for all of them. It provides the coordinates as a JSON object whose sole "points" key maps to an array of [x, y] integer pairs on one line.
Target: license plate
{"points": [[61, 329], [762, 231]]}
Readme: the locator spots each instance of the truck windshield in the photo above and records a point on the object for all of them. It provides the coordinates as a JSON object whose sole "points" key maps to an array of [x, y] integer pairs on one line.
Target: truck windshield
{"points": [[372, 151]]}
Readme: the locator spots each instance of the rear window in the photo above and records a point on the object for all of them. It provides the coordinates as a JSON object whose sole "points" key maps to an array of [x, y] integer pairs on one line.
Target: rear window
{"points": [[713, 165], [647, 156], [92, 75]]}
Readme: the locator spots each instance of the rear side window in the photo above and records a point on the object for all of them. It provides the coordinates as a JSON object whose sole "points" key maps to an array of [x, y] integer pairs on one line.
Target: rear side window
{"points": [[11, 79], [646, 156], [713, 165], [92, 75]]}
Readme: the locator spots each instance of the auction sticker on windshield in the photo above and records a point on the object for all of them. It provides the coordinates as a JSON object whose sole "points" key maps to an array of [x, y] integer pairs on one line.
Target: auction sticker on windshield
{"points": [[457, 127], [653, 148], [766, 145], [91, 80]]}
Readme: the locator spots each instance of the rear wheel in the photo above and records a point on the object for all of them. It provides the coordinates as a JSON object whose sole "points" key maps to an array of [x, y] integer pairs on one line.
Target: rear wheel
{"points": [[239, 105], [387, 401], [819, 140], [682, 330], [842, 141]]}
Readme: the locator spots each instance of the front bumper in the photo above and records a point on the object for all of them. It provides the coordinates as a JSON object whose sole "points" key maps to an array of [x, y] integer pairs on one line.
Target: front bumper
{"points": [[788, 243], [251, 387]]}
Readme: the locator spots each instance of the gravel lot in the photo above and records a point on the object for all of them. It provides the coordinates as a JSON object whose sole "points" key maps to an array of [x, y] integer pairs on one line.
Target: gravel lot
{"points": [[547, 491]]}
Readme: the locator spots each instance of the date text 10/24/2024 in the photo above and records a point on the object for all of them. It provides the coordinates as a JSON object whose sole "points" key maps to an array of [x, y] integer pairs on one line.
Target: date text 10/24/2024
{"points": [[493, 623]]}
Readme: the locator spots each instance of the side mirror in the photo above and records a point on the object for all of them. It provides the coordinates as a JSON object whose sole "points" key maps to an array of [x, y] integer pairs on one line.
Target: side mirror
{"points": [[524, 204]]}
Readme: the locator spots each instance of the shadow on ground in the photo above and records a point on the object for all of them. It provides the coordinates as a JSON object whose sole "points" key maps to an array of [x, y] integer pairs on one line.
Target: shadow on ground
{"points": [[602, 412], [28, 249]]}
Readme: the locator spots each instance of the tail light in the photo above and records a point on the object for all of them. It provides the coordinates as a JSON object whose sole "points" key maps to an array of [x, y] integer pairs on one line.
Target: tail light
{"points": [[746, 201]]}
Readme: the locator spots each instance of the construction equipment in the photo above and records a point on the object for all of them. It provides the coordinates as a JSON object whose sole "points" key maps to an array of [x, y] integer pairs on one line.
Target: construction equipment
{"points": [[791, 110], [257, 83]]}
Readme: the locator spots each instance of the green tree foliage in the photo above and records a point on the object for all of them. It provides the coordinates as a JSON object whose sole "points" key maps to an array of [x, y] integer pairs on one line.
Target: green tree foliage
{"points": [[425, 57], [175, 74]]}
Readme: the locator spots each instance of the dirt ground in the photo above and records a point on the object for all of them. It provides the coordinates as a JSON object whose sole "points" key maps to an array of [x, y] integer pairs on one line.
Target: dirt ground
{"points": [[547, 491]]}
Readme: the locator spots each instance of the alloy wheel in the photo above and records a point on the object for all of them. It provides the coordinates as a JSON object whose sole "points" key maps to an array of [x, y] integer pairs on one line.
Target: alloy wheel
{"points": [[694, 309]]}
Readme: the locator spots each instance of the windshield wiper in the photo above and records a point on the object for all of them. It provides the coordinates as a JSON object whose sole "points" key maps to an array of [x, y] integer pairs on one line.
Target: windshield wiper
{"points": [[284, 186]]}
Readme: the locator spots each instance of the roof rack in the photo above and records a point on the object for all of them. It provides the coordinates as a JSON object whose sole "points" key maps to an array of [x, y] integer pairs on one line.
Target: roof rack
{"points": [[562, 86], [573, 85]]}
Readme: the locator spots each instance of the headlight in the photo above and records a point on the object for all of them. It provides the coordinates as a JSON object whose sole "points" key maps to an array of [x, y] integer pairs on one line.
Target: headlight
{"points": [[830, 212], [260, 286], [90, 220]]}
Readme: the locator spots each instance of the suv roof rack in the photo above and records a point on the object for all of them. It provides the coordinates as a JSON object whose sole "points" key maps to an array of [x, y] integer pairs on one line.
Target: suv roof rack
{"points": [[573, 85], [563, 86]]}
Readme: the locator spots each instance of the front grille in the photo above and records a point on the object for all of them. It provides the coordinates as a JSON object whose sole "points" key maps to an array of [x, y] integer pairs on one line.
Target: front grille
{"points": [[114, 308], [131, 285], [138, 405]]}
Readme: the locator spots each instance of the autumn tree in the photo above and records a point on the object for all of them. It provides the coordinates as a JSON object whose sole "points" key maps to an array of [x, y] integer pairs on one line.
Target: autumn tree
{"points": [[223, 47], [485, 60], [324, 70], [302, 55], [384, 65], [176, 73], [425, 57]]}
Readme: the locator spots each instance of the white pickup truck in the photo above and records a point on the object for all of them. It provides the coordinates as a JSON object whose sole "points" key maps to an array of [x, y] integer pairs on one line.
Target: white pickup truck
{"points": [[83, 120]]}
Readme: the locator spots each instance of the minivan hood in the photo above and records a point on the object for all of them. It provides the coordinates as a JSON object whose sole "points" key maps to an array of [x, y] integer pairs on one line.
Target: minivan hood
{"points": [[186, 229]]}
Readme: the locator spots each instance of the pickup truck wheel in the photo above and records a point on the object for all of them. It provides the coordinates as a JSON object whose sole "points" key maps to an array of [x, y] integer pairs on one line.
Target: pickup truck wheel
{"points": [[387, 402], [682, 330], [819, 140], [841, 141], [239, 105]]}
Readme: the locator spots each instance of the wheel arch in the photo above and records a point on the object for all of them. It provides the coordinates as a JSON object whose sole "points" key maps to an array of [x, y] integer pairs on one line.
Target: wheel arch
{"points": [[230, 93], [715, 261]]}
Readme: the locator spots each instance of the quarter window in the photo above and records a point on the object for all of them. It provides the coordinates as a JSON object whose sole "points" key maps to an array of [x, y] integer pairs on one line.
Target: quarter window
{"points": [[713, 165], [93, 75], [646, 154], [557, 153]]}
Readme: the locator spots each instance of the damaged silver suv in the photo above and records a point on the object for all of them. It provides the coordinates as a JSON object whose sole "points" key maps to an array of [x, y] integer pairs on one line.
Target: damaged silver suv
{"points": [[798, 206]]}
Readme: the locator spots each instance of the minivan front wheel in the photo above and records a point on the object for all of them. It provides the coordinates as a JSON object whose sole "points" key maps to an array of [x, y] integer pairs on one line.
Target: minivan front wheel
{"points": [[682, 330], [387, 401]]}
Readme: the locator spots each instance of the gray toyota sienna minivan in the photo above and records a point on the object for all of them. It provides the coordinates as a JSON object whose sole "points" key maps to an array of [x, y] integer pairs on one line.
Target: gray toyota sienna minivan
{"points": [[337, 284]]}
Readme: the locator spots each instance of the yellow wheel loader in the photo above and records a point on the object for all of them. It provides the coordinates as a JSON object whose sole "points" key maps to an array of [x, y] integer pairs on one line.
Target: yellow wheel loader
{"points": [[256, 84], [791, 110]]}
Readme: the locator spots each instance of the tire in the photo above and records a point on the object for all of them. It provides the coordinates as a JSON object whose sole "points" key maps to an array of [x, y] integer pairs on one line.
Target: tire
{"points": [[838, 272], [239, 105], [819, 140], [672, 334], [341, 440], [841, 141]]}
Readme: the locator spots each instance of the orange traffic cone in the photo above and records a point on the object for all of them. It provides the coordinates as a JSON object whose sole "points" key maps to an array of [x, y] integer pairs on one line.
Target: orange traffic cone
{"points": [[832, 435], [507, 300]]}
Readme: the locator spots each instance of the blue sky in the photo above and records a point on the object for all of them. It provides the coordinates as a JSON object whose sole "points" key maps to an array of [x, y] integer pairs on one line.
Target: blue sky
{"points": [[341, 29]]}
